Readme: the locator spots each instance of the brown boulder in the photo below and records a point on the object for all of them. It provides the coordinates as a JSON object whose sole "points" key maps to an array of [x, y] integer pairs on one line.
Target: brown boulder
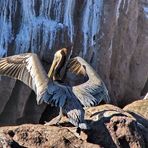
{"points": [[139, 110], [6, 140], [47, 136], [125, 132], [139, 107], [109, 126], [115, 127]]}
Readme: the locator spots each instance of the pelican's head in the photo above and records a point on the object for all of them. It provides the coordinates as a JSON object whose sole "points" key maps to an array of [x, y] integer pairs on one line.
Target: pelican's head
{"points": [[60, 61]]}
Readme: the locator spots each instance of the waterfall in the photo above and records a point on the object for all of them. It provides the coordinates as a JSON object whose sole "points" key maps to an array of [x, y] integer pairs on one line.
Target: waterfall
{"points": [[68, 17], [35, 26], [145, 8], [7, 8], [90, 23], [36, 32], [122, 4], [118, 10]]}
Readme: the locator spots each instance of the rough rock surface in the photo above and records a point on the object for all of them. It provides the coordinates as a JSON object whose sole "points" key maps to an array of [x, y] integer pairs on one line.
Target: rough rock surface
{"points": [[46, 136], [139, 107], [114, 128], [125, 132], [139, 110]]}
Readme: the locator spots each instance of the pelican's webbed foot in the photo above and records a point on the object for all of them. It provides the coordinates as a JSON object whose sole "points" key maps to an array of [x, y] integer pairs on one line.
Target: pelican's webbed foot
{"points": [[54, 121]]}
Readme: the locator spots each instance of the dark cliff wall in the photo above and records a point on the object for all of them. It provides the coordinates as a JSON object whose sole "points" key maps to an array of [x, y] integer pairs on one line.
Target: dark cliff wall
{"points": [[111, 35], [123, 53]]}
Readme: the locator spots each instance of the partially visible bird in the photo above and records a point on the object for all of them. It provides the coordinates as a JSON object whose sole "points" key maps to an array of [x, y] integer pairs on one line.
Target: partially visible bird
{"points": [[28, 69], [86, 83]]}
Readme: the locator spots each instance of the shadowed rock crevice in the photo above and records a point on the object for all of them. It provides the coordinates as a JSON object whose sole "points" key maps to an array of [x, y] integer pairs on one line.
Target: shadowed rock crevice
{"points": [[49, 113], [12, 109], [123, 142]]}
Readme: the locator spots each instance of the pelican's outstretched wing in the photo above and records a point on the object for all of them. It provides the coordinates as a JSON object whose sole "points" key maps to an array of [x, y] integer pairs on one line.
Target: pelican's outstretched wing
{"points": [[75, 73], [92, 91], [28, 69]]}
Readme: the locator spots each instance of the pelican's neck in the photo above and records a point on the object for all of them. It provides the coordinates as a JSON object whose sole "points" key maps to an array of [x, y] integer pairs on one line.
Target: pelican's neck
{"points": [[59, 64]]}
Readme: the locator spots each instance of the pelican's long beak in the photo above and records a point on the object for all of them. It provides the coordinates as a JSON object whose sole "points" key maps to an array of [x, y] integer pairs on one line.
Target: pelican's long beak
{"points": [[52, 68]]}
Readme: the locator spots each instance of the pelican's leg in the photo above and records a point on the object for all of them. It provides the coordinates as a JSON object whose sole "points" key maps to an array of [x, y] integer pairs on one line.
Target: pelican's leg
{"points": [[56, 120]]}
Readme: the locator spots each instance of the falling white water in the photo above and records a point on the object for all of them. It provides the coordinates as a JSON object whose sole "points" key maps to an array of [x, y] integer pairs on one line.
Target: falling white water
{"points": [[36, 32], [57, 10], [118, 10], [91, 22], [68, 17], [110, 48], [63, 12], [43, 28], [45, 8], [7, 8], [28, 10], [128, 5], [122, 4], [146, 11], [40, 23]]}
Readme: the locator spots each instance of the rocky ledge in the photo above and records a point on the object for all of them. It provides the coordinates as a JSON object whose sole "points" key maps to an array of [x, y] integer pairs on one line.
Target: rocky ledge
{"points": [[110, 126]]}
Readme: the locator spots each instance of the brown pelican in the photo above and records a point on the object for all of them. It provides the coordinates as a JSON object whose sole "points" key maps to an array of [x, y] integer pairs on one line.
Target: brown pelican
{"points": [[91, 90], [28, 69]]}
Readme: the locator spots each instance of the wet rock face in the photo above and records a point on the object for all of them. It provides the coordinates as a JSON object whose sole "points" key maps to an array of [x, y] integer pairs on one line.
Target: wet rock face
{"points": [[110, 35]]}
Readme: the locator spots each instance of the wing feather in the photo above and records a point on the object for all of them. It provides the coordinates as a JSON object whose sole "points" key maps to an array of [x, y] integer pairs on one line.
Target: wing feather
{"points": [[26, 68], [93, 91], [76, 67], [75, 73]]}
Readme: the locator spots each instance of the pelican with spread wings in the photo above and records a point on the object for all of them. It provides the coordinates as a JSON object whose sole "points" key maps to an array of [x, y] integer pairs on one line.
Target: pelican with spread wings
{"points": [[72, 97], [85, 82]]}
